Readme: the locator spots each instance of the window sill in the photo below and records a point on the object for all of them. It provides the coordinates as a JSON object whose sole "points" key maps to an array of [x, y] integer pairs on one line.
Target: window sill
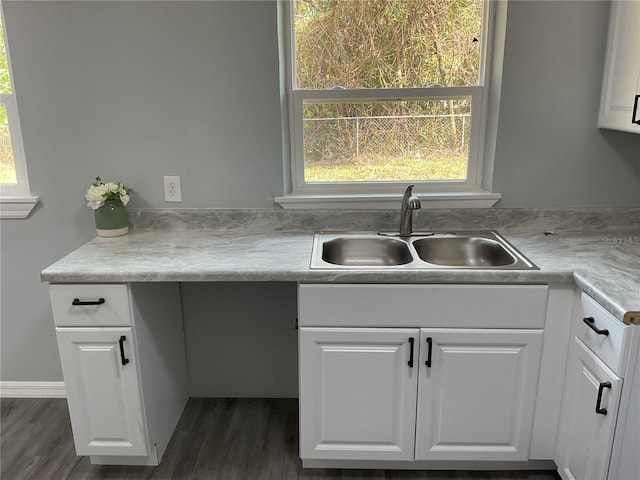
{"points": [[17, 206], [480, 199]]}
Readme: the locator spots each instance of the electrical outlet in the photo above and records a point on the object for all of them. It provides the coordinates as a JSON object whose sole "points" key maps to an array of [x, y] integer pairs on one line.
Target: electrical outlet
{"points": [[172, 189]]}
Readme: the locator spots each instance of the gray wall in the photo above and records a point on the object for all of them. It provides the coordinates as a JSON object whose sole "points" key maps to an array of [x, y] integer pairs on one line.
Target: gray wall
{"points": [[549, 151], [130, 91], [138, 90]]}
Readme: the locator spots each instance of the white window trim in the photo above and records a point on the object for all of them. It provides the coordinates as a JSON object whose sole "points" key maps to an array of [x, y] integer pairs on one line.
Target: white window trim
{"points": [[474, 192], [16, 200]]}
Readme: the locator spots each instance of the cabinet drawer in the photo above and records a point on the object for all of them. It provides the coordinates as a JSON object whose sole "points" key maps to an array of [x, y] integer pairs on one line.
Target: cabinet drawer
{"points": [[613, 348], [462, 306], [113, 311]]}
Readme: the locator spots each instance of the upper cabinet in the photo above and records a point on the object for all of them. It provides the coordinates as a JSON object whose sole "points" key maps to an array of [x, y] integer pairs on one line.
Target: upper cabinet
{"points": [[619, 104]]}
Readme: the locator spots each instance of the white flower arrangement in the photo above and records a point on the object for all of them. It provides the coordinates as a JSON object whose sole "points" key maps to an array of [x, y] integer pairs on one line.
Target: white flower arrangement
{"points": [[99, 192]]}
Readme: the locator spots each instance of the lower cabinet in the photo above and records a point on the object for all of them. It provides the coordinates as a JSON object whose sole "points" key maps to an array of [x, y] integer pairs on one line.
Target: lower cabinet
{"points": [[103, 391], [124, 365], [417, 394], [596, 364], [476, 393], [358, 393], [589, 416]]}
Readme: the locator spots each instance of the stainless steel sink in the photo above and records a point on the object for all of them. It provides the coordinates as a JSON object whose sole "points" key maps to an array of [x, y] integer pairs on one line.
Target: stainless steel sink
{"points": [[464, 252], [476, 250], [366, 251]]}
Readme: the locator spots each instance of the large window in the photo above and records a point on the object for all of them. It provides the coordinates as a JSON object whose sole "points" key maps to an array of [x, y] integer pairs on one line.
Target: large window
{"points": [[386, 93], [16, 200]]}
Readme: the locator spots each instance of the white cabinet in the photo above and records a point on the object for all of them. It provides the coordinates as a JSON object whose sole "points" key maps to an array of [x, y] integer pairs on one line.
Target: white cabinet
{"points": [[476, 393], [358, 393], [588, 417], [597, 360], [625, 460], [375, 393], [103, 393], [124, 366], [621, 82]]}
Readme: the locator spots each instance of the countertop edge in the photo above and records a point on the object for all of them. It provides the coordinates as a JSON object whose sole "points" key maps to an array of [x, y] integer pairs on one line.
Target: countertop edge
{"points": [[631, 318]]}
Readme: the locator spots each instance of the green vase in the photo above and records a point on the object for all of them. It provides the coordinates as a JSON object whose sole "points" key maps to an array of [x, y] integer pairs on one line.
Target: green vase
{"points": [[112, 219]]}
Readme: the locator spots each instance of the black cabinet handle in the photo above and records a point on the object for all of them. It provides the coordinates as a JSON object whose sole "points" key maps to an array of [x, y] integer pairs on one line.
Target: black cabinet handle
{"points": [[591, 323], [635, 111], [603, 385], [410, 362], [429, 349], [100, 301], [121, 342]]}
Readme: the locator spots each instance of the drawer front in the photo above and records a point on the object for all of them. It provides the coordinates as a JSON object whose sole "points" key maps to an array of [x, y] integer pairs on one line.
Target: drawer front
{"points": [[613, 348], [459, 306], [108, 305]]}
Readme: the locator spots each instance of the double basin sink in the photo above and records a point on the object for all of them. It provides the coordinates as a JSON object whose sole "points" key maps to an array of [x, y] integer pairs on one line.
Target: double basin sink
{"points": [[438, 250]]}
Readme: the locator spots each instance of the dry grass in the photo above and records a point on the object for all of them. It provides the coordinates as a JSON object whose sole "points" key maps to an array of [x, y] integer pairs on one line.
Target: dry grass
{"points": [[444, 166]]}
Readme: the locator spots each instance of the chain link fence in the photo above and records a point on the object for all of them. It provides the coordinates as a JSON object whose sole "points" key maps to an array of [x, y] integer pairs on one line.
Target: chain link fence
{"points": [[419, 136]]}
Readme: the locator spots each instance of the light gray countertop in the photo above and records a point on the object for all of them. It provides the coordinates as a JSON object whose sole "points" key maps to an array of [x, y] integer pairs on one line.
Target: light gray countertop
{"points": [[251, 246]]}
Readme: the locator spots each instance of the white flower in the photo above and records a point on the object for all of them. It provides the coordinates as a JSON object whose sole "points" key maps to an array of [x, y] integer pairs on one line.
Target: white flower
{"points": [[100, 192], [111, 187], [94, 198]]}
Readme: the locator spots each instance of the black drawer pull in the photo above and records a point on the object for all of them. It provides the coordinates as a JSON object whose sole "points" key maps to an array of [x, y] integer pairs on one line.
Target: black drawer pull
{"points": [[591, 323], [635, 110], [429, 349], [100, 301], [410, 362], [603, 385], [121, 342]]}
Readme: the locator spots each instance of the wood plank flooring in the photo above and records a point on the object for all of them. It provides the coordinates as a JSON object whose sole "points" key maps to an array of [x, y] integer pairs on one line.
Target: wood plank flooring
{"points": [[216, 439]]}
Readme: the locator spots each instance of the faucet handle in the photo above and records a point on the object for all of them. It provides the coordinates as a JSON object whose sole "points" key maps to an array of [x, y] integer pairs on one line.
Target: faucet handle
{"points": [[408, 191], [409, 200]]}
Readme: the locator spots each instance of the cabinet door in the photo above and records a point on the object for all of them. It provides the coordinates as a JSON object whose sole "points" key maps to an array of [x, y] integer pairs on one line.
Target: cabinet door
{"points": [[585, 436], [103, 394], [358, 393], [476, 393], [621, 82]]}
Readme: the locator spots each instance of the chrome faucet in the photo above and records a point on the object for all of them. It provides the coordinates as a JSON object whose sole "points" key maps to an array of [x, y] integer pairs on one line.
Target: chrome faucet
{"points": [[409, 203]]}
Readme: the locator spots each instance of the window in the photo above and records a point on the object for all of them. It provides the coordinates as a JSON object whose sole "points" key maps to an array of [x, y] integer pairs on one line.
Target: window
{"points": [[16, 200], [387, 93]]}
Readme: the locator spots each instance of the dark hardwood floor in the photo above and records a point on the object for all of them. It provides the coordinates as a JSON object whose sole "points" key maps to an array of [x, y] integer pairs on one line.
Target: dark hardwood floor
{"points": [[216, 439]]}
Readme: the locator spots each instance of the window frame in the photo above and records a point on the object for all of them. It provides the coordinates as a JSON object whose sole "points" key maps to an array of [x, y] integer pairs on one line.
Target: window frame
{"points": [[472, 192], [16, 200]]}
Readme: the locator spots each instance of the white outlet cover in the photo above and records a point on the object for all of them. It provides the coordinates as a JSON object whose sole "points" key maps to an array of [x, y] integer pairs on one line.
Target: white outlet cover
{"points": [[172, 188]]}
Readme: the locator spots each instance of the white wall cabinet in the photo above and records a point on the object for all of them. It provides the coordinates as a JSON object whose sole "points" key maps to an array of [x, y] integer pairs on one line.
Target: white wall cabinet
{"points": [[621, 81], [124, 366], [383, 394], [476, 393]]}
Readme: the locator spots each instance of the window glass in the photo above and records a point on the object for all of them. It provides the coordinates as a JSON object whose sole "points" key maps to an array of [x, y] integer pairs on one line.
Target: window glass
{"points": [[387, 43], [383, 91], [7, 161], [387, 141]]}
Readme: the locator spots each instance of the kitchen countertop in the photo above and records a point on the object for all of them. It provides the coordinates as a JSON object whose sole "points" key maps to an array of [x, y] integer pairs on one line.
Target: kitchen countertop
{"points": [[232, 245]]}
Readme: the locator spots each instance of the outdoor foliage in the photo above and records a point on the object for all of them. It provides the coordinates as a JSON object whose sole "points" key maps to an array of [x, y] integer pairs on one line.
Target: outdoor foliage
{"points": [[387, 43], [356, 44], [7, 165]]}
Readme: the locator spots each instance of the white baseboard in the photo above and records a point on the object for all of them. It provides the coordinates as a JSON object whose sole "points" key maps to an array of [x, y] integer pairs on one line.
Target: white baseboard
{"points": [[32, 390]]}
